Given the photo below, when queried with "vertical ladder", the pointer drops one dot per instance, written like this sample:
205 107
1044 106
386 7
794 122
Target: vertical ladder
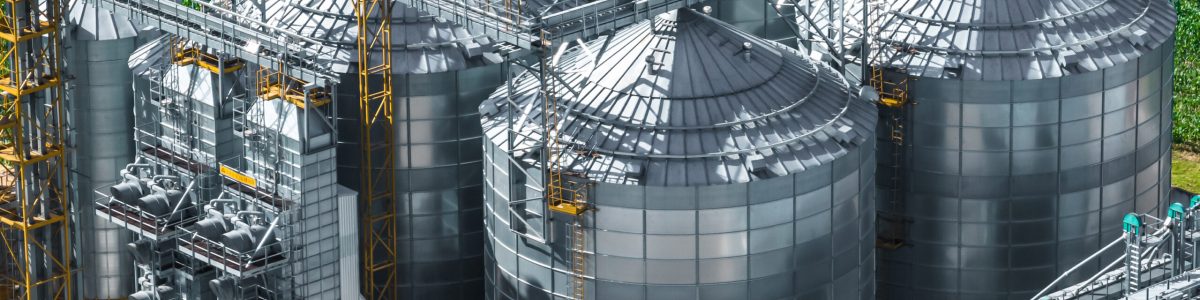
893 99
380 258
1132 225
579 258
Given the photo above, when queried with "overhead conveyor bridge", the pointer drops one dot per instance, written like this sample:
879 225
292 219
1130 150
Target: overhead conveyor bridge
233 34
539 24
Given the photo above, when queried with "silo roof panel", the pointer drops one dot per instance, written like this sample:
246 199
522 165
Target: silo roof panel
420 43
686 100
1000 40
98 24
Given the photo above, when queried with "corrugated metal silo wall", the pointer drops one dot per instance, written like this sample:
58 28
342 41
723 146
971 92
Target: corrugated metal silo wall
1013 182
756 17
803 236
102 108
438 177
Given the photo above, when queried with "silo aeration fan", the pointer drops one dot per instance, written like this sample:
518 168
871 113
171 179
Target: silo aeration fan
155 288
148 253
228 287
155 204
241 244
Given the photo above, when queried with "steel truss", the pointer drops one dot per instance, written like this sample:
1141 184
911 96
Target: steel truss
35 262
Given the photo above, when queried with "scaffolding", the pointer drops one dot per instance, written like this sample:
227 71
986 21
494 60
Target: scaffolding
34 209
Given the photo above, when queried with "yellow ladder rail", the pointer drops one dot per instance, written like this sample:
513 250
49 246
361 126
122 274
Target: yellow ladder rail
579 259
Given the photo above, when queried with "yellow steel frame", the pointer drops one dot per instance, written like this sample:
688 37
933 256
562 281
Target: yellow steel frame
35 260
380 258
891 94
183 55
274 84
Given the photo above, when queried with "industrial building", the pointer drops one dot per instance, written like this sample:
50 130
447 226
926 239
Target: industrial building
607 149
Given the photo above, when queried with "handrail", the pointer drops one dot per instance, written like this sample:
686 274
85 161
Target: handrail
1080 264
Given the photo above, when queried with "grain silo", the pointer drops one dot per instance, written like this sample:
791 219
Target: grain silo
716 164
102 126
765 19
1024 131
441 74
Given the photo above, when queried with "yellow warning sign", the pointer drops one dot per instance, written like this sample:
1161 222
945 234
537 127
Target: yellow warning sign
238 176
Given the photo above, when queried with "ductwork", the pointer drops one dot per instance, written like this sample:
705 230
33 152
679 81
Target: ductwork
213 226
143 251
229 288
130 189
163 201
163 293
245 239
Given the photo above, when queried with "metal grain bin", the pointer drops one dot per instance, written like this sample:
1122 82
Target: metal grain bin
102 137
441 75
1032 128
724 167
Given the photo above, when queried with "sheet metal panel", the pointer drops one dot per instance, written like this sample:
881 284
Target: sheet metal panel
438 174
101 133
799 224
806 245
1013 190
102 126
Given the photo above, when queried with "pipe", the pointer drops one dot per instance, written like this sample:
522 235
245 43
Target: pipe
131 167
248 212
1080 264
1102 271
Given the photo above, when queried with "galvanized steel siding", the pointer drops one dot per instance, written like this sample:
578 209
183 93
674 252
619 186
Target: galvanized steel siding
808 235
1014 182
438 177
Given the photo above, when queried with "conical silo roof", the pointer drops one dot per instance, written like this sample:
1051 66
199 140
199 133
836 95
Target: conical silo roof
685 99
98 24
421 43
1014 40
